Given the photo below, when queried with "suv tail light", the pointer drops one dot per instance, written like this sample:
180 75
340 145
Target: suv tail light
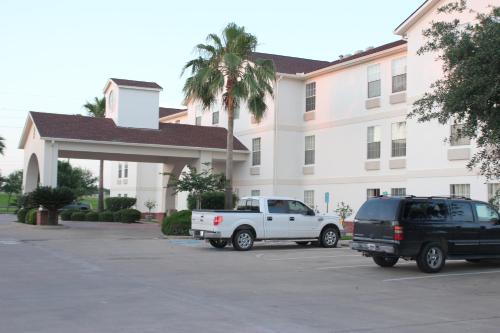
398 233
217 220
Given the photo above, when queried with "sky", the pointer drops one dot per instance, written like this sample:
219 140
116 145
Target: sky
56 55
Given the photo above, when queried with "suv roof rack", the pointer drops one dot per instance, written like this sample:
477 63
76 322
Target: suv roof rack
439 197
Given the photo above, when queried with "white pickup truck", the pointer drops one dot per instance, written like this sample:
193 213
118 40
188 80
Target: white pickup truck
265 218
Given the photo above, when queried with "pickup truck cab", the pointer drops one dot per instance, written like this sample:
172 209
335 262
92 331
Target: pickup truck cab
265 218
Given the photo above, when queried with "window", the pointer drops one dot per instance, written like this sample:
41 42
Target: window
398 75
198 114
236 114
398 139
415 210
198 120
256 151
277 206
255 193
297 207
248 204
119 195
398 192
373 145
493 191
379 210
125 170
372 192
310 96
437 211
125 195
215 117
120 170
373 72
456 136
309 157
309 198
177 121
460 190
461 212
485 213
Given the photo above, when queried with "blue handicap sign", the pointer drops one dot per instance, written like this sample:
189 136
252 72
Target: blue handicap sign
327 197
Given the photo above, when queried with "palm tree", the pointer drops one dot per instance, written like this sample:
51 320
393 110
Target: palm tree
98 109
225 67
2 145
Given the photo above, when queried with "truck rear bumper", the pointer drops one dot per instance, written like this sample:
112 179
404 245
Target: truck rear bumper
204 234
368 247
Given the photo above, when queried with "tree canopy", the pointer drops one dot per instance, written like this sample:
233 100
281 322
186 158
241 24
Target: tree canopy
97 108
81 181
2 145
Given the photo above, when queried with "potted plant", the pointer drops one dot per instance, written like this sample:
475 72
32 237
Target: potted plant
150 204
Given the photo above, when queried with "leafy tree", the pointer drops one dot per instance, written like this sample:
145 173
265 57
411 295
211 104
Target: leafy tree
344 211
13 184
98 109
225 67
80 181
2 145
469 92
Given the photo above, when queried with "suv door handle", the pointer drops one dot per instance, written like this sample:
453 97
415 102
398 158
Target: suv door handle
292 218
269 218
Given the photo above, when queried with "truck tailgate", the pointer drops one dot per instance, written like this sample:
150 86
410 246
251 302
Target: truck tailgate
202 221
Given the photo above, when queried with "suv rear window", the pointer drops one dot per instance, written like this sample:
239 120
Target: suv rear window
379 209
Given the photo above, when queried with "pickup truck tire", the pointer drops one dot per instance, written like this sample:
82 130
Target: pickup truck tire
431 258
243 240
384 261
329 237
217 243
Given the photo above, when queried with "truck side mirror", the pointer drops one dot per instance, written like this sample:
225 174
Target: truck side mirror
310 212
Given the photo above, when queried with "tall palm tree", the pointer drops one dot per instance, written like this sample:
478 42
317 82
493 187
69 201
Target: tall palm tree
2 145
98 109
225 67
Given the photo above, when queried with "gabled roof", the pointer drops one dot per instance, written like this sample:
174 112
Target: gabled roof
82 128
291 65
134 84
415 16
165 112
368 52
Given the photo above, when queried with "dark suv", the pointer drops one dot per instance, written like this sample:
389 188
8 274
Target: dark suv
426 229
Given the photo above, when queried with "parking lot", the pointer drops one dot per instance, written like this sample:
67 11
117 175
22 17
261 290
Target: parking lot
108 277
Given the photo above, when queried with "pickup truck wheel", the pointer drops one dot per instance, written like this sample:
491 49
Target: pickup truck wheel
432 258
302 243
384 261
329 237
243 240
217 243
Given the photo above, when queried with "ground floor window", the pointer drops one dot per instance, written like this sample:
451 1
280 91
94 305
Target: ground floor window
493 190
398 192
255 193
460 190
372 192
309 198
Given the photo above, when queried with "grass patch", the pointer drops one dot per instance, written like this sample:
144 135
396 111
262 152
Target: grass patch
346 237
4 207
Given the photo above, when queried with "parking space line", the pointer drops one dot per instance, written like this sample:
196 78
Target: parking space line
440 276
354 266
313 257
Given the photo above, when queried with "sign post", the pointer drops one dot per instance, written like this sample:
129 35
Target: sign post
327 200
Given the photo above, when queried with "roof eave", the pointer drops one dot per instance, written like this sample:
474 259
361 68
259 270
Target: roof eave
414 17
24 135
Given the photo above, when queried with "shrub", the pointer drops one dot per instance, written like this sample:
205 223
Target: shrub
92 216
31 216
78 216
210 200
106 216
21 215
66 214
130 215
117 216
52 199
178 223
115 204
25 201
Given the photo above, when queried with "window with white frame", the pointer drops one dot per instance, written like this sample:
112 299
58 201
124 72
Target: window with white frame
255 193
125 170
399 75
493 191
398 148
460 190
256 151
119 195
310 96
215 117
236 112
125 195
456 136
398 192
373 142
309 198
310 152
198 114
372 192
120 170
373 72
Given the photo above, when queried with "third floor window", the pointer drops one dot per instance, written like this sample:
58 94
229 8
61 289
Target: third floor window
398 75
373 81
215 117
311 96
256 151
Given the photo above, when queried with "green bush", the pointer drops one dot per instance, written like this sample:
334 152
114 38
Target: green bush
52 199
92 216
31 216
130 215
65 215
21 215
25 201
106 216
210 200
115 204
78 216
117 216
178 223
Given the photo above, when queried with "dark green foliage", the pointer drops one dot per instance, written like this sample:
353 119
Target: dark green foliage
65 215
92 216
21 215
12 184
130 215
117 216
80 181
178 223
106 216
78 216
469 92
115 204
52 198
31 216
25 201
209 200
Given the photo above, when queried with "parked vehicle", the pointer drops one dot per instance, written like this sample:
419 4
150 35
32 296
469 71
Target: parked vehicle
426 229
76 206
265 218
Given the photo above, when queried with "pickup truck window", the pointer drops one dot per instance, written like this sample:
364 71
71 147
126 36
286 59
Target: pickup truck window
461 212
277 206
248 204
296 207
485 213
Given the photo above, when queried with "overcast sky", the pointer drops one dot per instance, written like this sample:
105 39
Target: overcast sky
55 55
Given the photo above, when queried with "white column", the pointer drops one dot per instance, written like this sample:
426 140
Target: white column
48 164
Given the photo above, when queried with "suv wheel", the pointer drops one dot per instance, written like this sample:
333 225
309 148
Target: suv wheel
432 258
329 237
243 240
384 261
218 243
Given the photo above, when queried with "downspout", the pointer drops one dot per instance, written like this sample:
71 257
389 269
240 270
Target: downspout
275 143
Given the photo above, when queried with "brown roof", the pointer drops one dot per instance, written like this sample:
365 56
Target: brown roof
164 112
133 83
291 65
77 127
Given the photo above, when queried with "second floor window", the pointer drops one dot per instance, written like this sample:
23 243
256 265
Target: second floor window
125 170
310 96
373 81
256 151
215 117
309 150
120 170
373 142
457 138
398 148
398 75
